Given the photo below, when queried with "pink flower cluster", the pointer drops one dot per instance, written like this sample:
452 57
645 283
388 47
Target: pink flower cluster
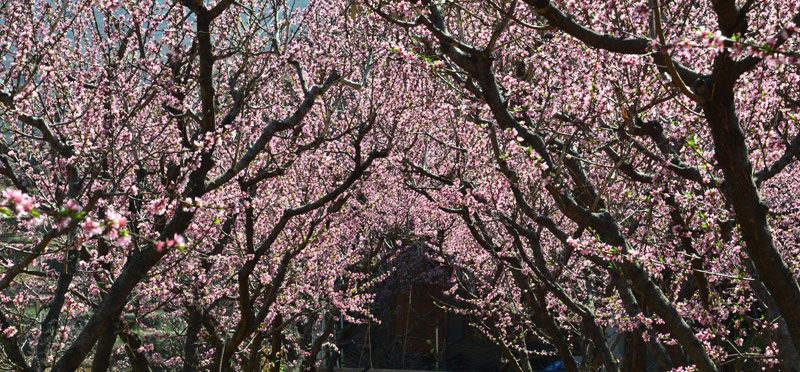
177 242
17 201
10 331
112 228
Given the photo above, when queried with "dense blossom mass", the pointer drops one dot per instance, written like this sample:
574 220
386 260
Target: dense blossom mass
222 185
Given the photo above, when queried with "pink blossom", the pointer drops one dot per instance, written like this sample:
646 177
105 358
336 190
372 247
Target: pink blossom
115 219
10 331
73 206
158 206
91 227
22 203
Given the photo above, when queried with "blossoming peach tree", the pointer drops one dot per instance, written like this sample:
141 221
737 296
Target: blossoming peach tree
619 180
180 181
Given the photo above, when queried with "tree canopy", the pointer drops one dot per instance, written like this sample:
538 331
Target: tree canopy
198 185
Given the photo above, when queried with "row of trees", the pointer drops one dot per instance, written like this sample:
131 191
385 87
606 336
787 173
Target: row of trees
215 186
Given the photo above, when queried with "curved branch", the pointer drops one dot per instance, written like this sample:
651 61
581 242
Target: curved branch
34 121
269 131
791 152
749 63
636 45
